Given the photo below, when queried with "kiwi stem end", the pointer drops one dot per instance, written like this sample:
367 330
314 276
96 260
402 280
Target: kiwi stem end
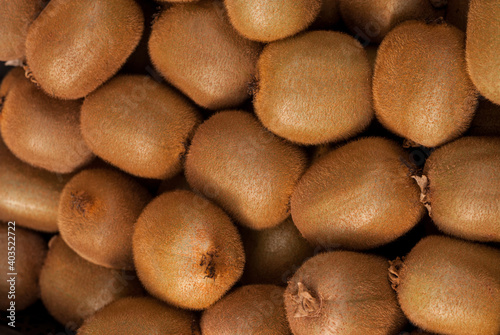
306 304
423 183
395 267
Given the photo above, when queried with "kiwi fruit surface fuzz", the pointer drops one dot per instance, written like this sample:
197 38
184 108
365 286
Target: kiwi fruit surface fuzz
486 120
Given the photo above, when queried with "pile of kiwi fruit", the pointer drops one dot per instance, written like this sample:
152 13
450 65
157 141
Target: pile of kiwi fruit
250 167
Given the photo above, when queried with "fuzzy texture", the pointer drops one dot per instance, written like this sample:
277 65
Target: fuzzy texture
421 89
75 46
457 12
329 15
246 170
248 310
30 251
139 125
486 121
343 293
187 251
197 50
464 188
451 287
267 21
314 88
97 213
483 46
359 196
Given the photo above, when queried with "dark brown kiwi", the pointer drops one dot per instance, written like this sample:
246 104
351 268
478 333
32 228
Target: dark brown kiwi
177 182
13 76
486 121
328 16
456 13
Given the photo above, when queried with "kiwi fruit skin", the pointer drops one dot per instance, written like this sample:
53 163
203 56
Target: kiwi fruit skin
248 310
290 103
483 45
267 21
30 251
75 46
421 89
187 252
486 121
464 188
355 297
137 316
243 168
139 125
457 12
196 49
450 286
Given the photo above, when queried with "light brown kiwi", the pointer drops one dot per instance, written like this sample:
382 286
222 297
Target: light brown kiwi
24 253
343 292
187 252
421 89
195 48
486 121
75 46
248 310
139 125
457 12
449 286
290 102
243 168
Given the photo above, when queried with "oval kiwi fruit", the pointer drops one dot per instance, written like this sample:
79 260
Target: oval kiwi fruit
139 125
486 121
249 310
358 196
450 286
421 89
290 102
187 251
457 12
343 292
75 46
246 170
195 48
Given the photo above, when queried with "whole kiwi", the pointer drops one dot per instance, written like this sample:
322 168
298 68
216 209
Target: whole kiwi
75 46
421 89
248 310
290 102
343 292
187 252
139 125
358 196
73 289
24 253
457 12
97 213
138 316
450 286
486 121
195 48
243 168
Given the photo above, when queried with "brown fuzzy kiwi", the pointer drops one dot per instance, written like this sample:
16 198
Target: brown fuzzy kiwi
486 121
139 316
343 292
290 102
75 46
249 310
24 253
197 50
97 213
139 125
483 46
450 286
187 251
73 289
456 13
421 89
245 169
358 196
329 15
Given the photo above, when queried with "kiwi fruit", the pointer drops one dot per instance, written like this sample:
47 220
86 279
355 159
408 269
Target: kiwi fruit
138 316
187 252
486 121
24 252
248 310
450 286
73 289
329 15
15 75
483 63
75 46
139 125
195 48
243 168
290 102
421 89
343 292
456 13
267 21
